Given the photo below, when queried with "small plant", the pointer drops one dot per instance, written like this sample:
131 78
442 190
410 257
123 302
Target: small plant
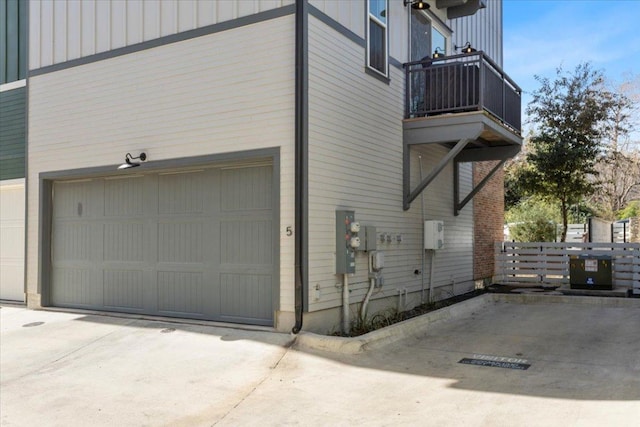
391 316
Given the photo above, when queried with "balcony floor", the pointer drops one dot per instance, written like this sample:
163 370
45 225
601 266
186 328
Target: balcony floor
480 127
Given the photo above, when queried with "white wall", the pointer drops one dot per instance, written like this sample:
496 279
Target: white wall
12 239
225 92
61 30
355 160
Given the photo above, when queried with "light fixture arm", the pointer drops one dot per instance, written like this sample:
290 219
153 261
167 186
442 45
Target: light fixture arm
438 53
129 160
466 48
142 157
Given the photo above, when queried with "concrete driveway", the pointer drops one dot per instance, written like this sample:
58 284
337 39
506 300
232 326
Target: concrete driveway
582 360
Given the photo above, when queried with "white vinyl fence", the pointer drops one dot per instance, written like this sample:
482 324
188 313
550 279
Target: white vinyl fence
548 263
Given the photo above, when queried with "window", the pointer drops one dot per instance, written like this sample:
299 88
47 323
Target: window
377 36
438 41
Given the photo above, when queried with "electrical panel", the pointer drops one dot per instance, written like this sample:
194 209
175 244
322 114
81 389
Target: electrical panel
433 234
347 241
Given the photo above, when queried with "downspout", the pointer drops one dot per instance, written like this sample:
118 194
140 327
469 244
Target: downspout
301 158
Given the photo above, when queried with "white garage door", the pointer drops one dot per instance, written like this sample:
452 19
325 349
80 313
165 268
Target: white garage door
12 240
193 244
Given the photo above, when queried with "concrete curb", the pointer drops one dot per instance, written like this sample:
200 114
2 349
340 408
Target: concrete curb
611 302
390 334
417 325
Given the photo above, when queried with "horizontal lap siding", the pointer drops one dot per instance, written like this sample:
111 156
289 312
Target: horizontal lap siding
355 162
225 92
64 30
12 133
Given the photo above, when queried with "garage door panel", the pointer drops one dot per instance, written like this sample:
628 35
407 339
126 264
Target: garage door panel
12 217
246 242
246 189
75 200
246 296
76 287
73 241
180 242
181 292
124 197
181 193
124 242
124 289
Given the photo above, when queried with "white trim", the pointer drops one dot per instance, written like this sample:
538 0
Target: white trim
13 85
18 182
446 33
385 26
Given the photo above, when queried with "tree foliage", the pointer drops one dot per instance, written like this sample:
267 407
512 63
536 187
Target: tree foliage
619 167
632 210
618 180
533 220
570 116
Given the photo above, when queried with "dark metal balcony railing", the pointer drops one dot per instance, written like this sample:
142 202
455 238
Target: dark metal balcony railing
458 83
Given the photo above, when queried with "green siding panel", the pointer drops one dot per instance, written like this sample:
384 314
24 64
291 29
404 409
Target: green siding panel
13 37
3 41
12 133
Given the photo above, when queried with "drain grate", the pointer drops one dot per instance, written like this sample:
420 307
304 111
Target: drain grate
496 362
167 330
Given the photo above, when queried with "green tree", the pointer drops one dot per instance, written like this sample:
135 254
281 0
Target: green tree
632 210
533 220
619 167
570 116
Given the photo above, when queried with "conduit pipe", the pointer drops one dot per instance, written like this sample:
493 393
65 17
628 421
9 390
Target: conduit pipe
367 297
433 257
345 305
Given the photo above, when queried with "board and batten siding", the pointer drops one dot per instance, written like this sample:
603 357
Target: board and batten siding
355 162
221 93
483 30
60 31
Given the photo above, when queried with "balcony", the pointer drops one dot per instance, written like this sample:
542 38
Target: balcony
460 83
466 103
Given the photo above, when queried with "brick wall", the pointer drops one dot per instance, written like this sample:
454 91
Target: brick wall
488 209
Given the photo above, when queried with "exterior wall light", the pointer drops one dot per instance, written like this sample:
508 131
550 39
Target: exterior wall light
466 48
438 53
129 163
417 4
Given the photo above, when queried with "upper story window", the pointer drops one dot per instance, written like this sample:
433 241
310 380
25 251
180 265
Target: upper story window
377 36
438 41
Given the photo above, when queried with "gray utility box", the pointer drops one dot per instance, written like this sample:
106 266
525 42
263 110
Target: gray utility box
347 241
591 272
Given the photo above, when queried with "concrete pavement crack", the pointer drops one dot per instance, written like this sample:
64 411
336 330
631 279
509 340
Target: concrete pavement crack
64 356
254 388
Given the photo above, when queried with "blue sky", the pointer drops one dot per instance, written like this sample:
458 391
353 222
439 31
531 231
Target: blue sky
540 35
